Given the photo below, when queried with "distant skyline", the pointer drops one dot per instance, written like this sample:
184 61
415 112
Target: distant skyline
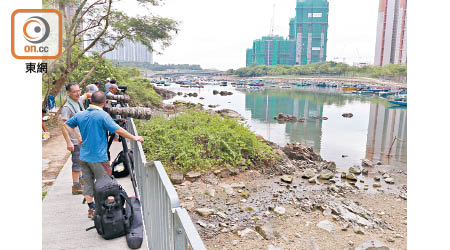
216 34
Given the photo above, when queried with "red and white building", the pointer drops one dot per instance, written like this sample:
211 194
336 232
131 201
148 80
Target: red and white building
391 33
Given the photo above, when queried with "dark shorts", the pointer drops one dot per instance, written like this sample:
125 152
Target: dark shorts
76 159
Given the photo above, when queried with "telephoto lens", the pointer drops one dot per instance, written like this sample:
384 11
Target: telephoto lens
119 98
132 112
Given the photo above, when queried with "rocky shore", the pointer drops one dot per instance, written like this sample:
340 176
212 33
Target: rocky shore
300 202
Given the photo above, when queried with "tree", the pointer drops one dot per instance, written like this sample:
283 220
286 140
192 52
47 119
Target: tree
98 23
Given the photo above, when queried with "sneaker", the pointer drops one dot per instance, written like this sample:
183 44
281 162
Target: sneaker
77 190
91 213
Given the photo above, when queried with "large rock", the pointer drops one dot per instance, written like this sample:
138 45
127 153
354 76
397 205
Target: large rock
164 93
225 93
320 117
367 163
228 113
326 225
353 213
176 177
297 151
376 185
372 244
351 176
287 178
308 174
192 176
250 234
354 170
365 171
223 173
266 231
326 175
330 165
389 180
285 117
205 212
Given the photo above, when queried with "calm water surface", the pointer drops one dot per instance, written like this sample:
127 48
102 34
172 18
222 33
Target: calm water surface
368 134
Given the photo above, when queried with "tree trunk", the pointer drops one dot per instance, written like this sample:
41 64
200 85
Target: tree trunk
55 89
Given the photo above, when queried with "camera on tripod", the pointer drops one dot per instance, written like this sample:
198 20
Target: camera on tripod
117 106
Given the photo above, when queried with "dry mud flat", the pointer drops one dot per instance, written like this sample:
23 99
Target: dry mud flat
255 210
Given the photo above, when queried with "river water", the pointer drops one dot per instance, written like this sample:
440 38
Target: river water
369 134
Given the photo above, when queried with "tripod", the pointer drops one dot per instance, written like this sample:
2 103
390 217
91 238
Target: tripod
128 162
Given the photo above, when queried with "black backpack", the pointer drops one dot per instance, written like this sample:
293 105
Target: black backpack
111 219
118 173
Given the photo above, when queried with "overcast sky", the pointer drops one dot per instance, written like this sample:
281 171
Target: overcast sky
215 34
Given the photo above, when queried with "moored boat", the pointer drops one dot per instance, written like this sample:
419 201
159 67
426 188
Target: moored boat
401 103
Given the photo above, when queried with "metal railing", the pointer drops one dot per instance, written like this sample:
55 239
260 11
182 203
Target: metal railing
167 225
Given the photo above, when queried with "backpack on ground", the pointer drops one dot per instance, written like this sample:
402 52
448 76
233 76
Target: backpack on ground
111 218
119 169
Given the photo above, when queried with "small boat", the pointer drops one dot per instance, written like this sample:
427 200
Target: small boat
256 84
401 103
185 86
349 89
166 84
223 84
397 107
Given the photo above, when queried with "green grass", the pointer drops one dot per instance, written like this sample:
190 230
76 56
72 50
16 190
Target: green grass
43 195
200 141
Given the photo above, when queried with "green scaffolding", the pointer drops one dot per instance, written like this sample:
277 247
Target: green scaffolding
311 22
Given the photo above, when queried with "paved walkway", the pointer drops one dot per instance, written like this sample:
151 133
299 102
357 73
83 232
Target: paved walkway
64 217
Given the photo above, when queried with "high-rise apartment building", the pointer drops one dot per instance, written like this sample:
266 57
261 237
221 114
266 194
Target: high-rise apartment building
391 33
271 50
307 41
129 51
309 30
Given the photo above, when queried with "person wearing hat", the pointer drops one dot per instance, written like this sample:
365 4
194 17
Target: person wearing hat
112 90
108 84
91 88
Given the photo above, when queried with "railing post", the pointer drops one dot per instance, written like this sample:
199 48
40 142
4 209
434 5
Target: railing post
179 234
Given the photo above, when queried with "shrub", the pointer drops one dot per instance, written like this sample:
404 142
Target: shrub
141 92
201 141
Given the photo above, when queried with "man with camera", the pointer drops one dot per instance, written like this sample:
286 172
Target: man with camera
73 105
91 88
94 123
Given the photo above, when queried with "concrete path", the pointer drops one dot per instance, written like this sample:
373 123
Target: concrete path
64 217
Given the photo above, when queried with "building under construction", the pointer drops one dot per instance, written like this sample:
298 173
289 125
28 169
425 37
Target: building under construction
271 50
391 33
307 41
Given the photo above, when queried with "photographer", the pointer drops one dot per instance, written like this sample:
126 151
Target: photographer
93 124
108 85
112 90
73 105
91 88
